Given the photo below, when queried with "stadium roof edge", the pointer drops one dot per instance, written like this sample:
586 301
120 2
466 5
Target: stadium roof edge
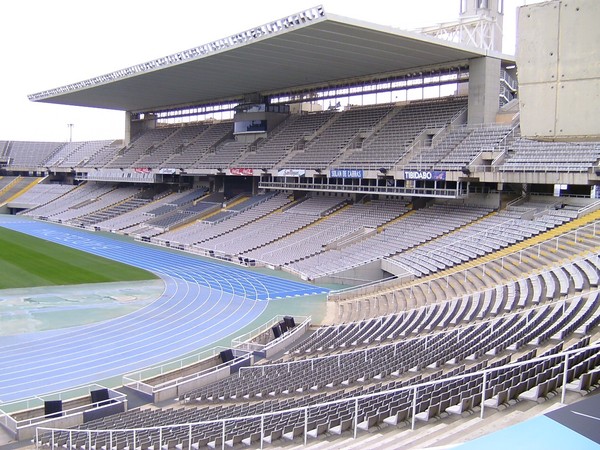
307 48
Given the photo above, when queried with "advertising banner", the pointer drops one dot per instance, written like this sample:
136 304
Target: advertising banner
291 173
241 171
424 175
346 173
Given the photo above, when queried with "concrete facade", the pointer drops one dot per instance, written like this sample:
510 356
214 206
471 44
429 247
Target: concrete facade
559 70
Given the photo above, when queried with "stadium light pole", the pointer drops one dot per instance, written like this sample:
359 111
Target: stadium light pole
70 125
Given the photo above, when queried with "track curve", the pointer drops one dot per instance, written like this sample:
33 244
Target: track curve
203 302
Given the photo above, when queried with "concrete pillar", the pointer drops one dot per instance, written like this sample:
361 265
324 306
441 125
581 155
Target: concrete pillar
127 138
484 89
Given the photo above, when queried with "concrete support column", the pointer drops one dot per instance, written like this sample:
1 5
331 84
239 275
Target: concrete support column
484 89
127 138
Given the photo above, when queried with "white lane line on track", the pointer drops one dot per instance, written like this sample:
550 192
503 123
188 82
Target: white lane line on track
250 283
136 341
219 331
153 350
232 313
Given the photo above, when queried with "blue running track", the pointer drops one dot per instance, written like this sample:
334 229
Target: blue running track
203 302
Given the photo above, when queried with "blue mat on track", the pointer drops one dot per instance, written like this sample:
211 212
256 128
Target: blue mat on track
573 427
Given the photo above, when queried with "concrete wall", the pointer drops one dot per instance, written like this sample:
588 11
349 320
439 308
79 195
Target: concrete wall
183 388
200 366
358 275
76 412
134 126
558 58
289 338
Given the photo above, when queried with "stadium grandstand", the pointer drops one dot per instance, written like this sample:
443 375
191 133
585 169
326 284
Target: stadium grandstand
445 196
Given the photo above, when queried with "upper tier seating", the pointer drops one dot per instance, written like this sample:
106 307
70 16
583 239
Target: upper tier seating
103 155
173 145
340 134
485 138
388 144
76 154
144 144
421 134
458 147
526 155
289 135
31 154
193 150
223 156
4 151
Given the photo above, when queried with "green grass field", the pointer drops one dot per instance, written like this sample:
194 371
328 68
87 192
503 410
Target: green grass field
26 261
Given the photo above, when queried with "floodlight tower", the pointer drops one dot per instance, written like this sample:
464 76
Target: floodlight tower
490 12
479 24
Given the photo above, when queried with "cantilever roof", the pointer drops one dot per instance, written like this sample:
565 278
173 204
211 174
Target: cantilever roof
304 49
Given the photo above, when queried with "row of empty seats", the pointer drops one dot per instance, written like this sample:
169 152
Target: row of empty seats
41 194
487 235
277 387
390 143
272 227
314 239
522 279
533 304
528 155
359 137
418 227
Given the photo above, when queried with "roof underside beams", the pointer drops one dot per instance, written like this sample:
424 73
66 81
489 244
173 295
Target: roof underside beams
322 52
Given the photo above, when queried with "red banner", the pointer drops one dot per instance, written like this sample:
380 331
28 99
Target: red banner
238 171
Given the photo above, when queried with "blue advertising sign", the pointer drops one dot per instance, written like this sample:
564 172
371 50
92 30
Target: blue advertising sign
346 173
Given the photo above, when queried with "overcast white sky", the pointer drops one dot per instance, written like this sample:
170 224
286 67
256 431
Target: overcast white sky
50 43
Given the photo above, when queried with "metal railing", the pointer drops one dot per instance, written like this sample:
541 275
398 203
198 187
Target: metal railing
10 408
365 288
390 190
571 235
244 341
136 380
352 404
421 337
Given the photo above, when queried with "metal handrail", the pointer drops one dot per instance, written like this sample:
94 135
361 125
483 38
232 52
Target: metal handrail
519 253
413 389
